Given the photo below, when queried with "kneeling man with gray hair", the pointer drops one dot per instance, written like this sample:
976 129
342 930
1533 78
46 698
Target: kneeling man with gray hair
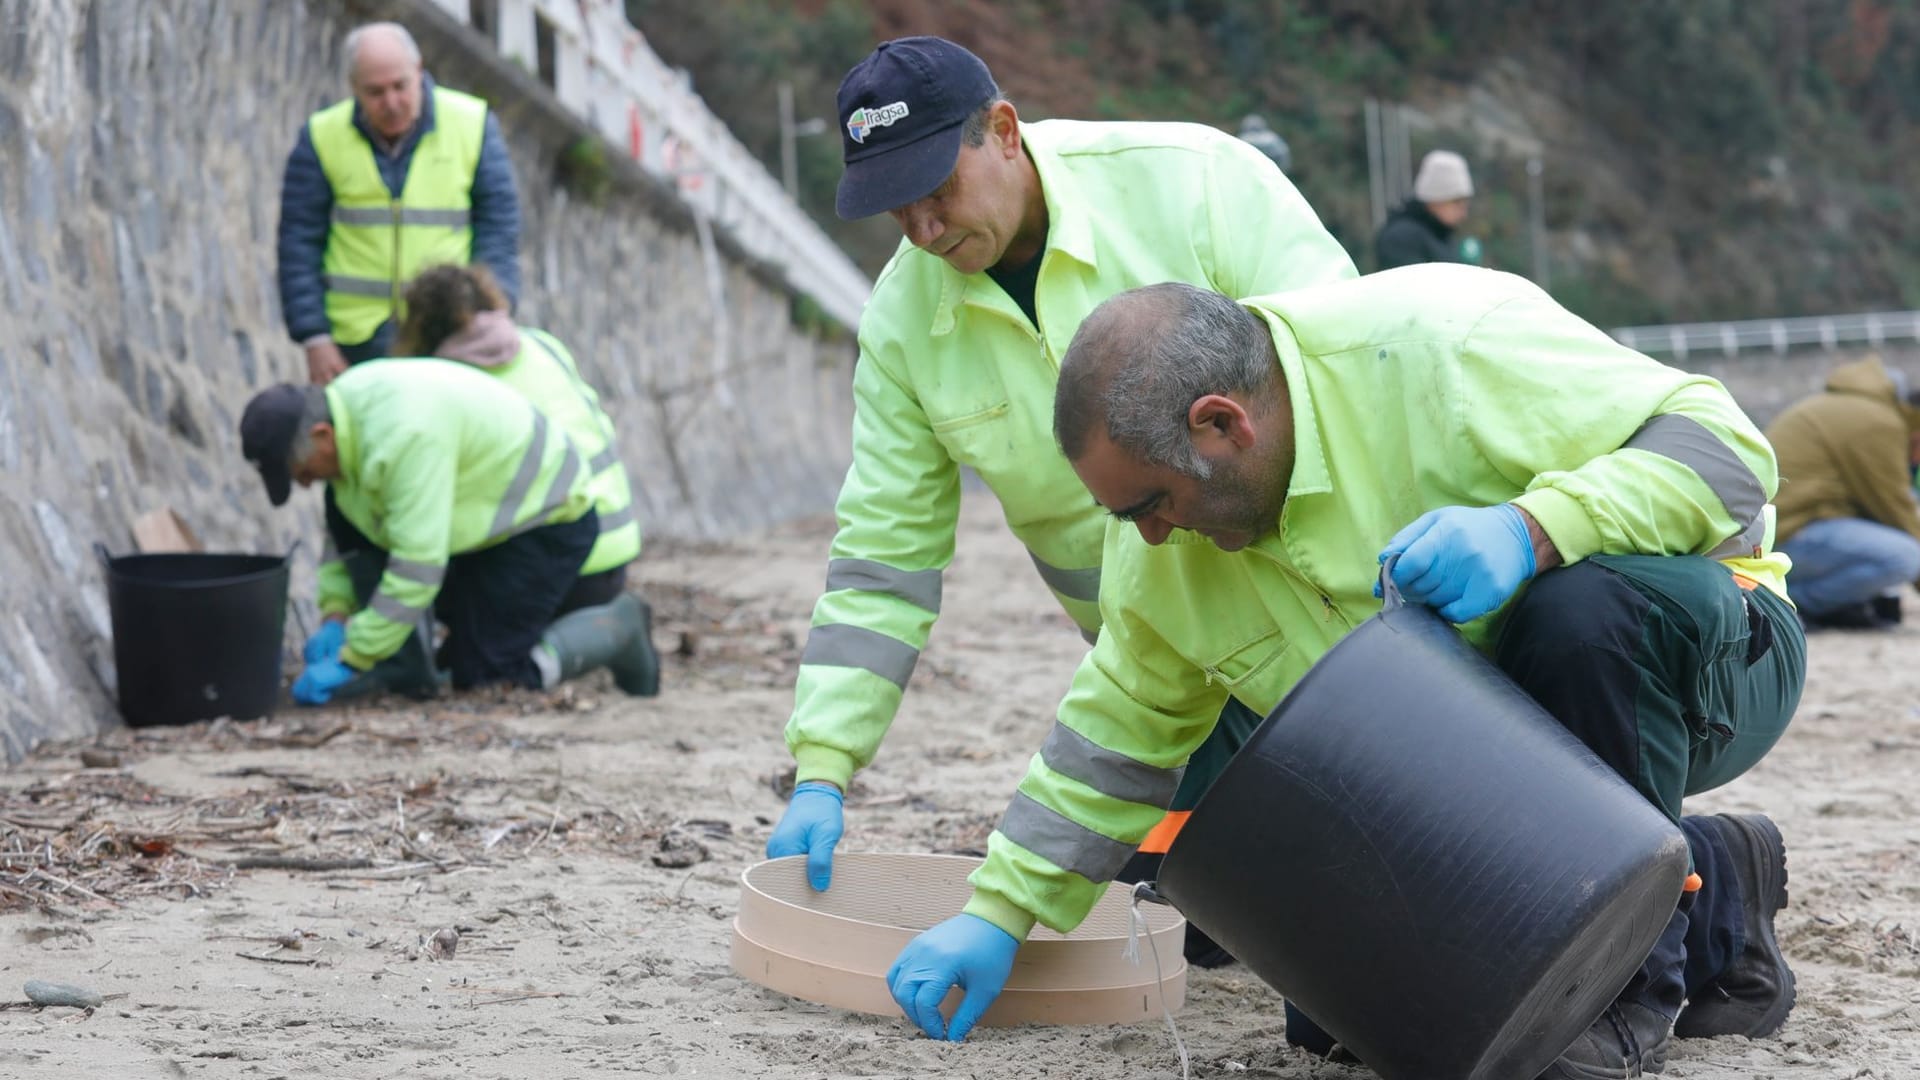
1596 522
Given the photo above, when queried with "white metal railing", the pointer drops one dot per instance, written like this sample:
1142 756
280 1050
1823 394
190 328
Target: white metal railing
602 69
1776 335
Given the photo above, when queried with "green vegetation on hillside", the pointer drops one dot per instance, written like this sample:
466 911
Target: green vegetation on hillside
1704 159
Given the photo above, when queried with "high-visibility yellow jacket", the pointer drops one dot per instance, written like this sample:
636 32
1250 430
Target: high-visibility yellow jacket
1415 389
546 373
953 373
436 460
377 243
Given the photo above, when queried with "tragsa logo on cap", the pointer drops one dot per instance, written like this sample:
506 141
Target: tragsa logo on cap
861 120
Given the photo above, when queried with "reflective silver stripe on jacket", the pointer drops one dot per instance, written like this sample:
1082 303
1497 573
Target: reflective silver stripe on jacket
420 573
1745 544
1073 584
384 604
921 588
523 478
562 480
359 286
383 215
1063 842
604 460
842 645
1073 755
617 520
1685 440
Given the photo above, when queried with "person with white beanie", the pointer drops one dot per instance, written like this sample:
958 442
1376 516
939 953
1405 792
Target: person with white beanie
1422 230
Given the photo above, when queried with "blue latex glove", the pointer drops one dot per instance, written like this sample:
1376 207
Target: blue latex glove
316 685
811 826
1462 561
326 642
965 951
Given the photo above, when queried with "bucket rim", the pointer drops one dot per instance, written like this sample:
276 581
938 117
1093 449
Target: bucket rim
117 568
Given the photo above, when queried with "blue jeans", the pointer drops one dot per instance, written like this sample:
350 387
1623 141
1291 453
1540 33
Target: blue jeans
1845 562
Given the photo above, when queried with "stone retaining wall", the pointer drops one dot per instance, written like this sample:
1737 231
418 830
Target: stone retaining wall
141 150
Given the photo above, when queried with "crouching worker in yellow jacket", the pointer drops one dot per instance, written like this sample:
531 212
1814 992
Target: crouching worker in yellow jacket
460 313
1596 522
448 493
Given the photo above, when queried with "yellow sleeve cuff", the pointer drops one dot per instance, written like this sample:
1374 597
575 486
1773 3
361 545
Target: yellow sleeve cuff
1001 912
815 762
1565 522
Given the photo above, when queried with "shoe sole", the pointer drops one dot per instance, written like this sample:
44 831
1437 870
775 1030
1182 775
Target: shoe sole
1767 850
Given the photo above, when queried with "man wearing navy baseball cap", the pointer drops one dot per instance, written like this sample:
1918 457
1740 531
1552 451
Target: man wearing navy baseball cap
1014 231
904 113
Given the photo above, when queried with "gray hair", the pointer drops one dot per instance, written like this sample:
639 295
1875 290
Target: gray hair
315 411
350 50
980 120
1141 359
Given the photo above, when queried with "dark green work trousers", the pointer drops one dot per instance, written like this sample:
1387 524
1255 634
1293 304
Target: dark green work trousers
1679 679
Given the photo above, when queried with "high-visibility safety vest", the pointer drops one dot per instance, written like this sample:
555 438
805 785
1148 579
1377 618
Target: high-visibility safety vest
1410 390
436 460
377 243
545 372
952 373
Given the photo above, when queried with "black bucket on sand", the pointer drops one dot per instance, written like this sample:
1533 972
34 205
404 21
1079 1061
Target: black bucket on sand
1416 854
196 635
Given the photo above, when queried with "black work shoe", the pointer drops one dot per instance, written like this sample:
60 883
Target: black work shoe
1755 994
1861 616
410 672
1628 1040
1203 951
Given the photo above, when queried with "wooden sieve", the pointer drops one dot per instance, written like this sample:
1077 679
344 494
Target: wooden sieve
834 948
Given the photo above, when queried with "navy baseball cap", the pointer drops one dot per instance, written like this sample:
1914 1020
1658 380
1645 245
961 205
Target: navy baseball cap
902 111
267 430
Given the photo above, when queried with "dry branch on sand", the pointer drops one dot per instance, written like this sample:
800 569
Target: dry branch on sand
91 837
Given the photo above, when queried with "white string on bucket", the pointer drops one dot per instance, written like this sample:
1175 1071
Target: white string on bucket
1138 928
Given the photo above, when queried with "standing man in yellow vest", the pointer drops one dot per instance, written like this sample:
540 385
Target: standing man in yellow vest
398 177
1014 231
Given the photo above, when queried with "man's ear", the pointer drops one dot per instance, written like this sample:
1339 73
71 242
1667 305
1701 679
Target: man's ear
1003 122
321 434
1220 420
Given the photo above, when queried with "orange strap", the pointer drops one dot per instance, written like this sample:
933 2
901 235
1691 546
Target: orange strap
1161 838
1745 582
1693 883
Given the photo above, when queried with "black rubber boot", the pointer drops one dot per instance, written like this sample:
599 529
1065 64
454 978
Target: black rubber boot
617 636
409 672
1628 1040
1753 996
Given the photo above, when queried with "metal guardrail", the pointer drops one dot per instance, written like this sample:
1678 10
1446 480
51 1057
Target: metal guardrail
1775 335
600 66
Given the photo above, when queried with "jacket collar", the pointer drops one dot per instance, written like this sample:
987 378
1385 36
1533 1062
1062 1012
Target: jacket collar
1069 232
1418 212
1310 473
346 440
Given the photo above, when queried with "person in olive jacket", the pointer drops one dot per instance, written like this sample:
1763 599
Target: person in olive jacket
1848 518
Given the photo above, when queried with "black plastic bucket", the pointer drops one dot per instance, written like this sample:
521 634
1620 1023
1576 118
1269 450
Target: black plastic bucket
1416 854
196 635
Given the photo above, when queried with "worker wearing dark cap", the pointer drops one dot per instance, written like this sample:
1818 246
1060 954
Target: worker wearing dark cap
447 493
1014 231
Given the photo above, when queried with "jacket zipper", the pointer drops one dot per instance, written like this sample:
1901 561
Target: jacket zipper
393 277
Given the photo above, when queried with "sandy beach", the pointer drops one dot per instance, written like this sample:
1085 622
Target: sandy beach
520 885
